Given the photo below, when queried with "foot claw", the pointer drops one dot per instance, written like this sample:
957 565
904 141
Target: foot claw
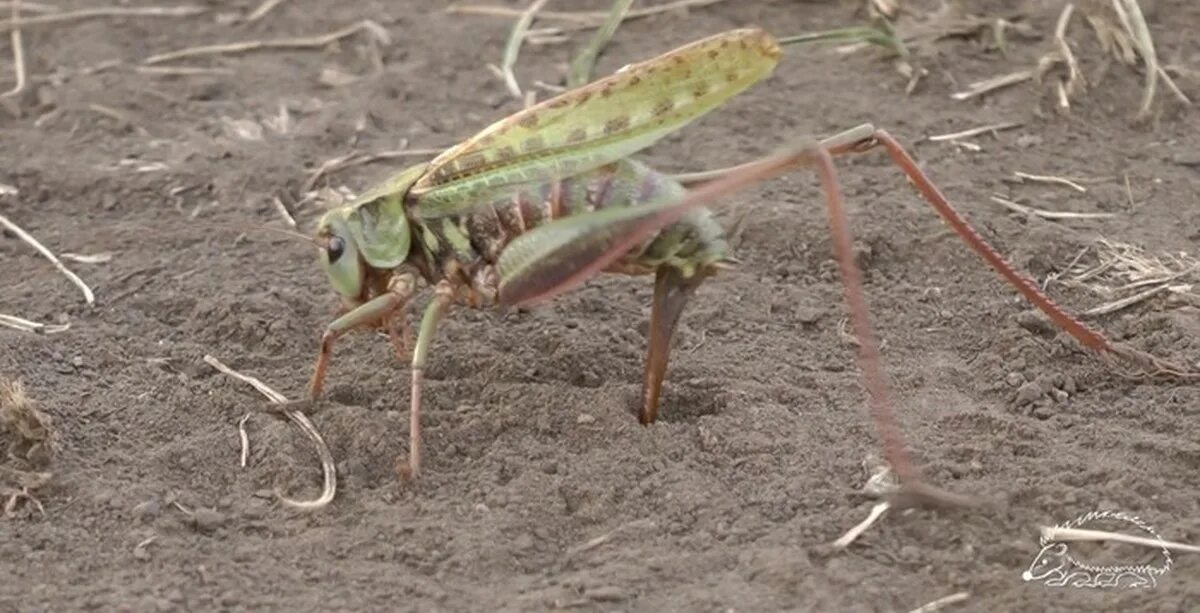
406 471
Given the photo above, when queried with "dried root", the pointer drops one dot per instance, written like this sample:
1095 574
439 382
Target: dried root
33 444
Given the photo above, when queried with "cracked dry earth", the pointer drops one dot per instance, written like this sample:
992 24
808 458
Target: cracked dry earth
532 449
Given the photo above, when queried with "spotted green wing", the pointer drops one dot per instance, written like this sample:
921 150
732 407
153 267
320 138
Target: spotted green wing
597 124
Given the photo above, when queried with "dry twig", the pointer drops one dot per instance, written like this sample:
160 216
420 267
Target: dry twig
1077 534
266 7
942 602
581 19
513 47
989 129
26 325
1121 268
18 50
852 534
356 158
1051 179
980 88
110 11
245 439
1044 214
327 465
297 42
23 235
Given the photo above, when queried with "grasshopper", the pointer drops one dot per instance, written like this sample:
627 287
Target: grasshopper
550 197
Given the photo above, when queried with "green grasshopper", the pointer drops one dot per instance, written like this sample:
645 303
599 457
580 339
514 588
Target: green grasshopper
549 197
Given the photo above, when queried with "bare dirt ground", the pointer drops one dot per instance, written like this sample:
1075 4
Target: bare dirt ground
732 499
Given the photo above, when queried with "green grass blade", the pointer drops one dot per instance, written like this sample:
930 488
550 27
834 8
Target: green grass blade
581 68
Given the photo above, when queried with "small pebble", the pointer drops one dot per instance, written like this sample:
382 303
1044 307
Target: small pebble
207 519
1014 379
146 511
585 419
606 593
1028 393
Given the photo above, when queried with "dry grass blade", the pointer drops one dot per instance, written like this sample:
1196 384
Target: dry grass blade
585 62
586 19
1075 80
327 465
183 71
1077 534
18 49
1120 268
1044 214
26 325
980 88
297 42
111 11
989 129
266 7
245 438
356 158
942 602
1050 179
513 47
852 534
882 36
31 7
1130 14
23 235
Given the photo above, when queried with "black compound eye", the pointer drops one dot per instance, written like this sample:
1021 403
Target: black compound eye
334 248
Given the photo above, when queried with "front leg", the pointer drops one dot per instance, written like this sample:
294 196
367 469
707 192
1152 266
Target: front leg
380 308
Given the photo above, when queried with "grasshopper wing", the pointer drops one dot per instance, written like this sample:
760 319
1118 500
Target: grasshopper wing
597 124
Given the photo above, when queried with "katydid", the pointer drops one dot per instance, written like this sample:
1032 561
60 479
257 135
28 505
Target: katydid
549 197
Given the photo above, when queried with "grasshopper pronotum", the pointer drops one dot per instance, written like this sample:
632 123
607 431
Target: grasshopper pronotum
545 199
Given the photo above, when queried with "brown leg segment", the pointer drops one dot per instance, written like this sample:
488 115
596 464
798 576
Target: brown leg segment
671 293
378 309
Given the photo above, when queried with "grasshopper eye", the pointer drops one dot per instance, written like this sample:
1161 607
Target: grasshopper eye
343 266
335 248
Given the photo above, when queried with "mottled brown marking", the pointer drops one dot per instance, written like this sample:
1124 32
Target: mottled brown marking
714 54
725 43
616 124
558 103
663 107
607 91
732 76
554 200
598 189
531 214
506 153
634 80
679 59
577 135
701 90
533 143
487 141
485 233
742 43
530 120
510 217
583 96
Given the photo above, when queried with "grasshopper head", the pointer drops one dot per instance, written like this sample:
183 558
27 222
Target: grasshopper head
340 257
